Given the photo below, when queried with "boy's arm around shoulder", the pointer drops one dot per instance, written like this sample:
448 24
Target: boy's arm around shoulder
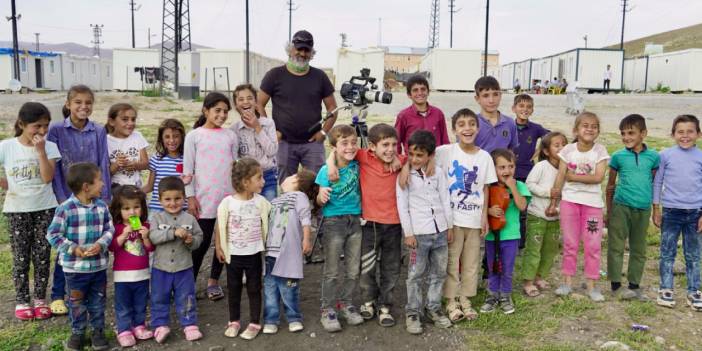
161 232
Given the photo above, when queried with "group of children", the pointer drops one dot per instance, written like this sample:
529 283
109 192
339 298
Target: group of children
77 186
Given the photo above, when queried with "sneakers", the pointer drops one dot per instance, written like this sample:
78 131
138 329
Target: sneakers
98 341
74 343
563 290
24 312
232 330
413 325
694 300
295 327
467 308
367 311
595 295
385 319
329 321
491 303
438 318
270 329
251 331
666 298
351 315
506 303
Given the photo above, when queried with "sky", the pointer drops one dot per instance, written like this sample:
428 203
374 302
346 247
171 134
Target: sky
518 29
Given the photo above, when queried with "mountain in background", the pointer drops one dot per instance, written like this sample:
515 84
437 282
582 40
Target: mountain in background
78 49
674 40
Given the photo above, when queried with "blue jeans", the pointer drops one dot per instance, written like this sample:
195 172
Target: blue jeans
427 261
276 289
674 222
270 187
131 299
342 236
180 285
86 300
58 287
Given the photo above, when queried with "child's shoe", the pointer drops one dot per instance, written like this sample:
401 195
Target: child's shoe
251 331
454 311
694 300
98 341
270 329
24 312
350 314
141 333
232 330
385 319
295 327
467 308
439 318
41 310
161 333
58 307
192 333
491 303
413 325
563 290
506 303
74 343
329 321
666 298
126 339
367 310
595 295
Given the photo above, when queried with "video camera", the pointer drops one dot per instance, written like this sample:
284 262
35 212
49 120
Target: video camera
362 90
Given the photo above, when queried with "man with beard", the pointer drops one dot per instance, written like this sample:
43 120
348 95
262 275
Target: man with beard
297 91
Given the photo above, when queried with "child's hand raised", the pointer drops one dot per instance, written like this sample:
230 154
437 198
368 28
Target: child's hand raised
144 232
39 142
509 181
324 195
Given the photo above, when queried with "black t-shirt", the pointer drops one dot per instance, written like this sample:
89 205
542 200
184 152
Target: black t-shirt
297 100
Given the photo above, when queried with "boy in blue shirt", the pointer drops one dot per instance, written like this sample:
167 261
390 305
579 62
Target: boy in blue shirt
341 226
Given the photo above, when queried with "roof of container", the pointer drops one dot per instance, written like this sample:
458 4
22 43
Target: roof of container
404 50
9 51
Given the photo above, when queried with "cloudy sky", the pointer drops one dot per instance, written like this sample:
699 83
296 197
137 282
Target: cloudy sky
519 29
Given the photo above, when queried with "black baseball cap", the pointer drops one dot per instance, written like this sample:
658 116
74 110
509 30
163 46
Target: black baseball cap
303 40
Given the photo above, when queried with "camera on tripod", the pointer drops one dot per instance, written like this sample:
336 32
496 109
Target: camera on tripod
362 90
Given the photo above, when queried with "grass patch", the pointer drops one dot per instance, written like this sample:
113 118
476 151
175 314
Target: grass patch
570 307
637 340
638 310
6 283
150 93
30 335
172 109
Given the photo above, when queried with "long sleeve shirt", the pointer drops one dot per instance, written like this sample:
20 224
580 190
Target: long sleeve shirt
261 146
172 254
540 181
131 263
425 204
678 182
409 120
79 145
76 224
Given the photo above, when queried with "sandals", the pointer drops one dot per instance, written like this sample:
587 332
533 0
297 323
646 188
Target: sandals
161 333
454 311
467 308
126 339
214 292
24 313
232 329
542 284
251 331
141 333
192 333
58 307
531 291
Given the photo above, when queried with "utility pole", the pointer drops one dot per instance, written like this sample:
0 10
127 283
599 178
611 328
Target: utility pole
625 9
247 43
434 25
37 41
487 26
290 11
380 31
97 33
585 38
149 36
133 8
452 10
343 40
15 44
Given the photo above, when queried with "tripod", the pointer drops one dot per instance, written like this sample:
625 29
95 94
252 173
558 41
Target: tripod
358 120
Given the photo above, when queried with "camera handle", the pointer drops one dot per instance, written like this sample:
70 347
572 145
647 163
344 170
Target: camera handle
358 121
318 126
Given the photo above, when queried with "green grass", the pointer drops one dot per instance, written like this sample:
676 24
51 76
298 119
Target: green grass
22 336
637 340
639 310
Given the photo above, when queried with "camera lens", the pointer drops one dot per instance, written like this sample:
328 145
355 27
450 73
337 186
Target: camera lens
383 97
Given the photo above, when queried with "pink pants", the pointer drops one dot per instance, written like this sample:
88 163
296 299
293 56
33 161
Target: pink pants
581 223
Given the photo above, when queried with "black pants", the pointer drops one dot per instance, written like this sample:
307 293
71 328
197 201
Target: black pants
606 86
252 265
207 225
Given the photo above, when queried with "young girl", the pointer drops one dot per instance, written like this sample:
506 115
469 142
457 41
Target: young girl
288 226
543 228
126 146
78 140
168 160
581 169
241 233
131 246
257 138
500 280
29 162
209 152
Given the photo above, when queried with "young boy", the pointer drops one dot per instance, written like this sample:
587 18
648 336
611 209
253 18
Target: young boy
677 186
426 216
495 130
500 279
81 232
341 226
175 233
419 115
528 133
629 213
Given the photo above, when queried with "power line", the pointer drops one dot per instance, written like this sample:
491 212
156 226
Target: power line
452 10
434 24
625 9
97 33
133 7
15 44
37 41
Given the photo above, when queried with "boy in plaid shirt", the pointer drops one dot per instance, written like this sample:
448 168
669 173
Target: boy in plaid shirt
81 231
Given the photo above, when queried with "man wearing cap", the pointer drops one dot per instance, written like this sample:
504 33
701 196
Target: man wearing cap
298 91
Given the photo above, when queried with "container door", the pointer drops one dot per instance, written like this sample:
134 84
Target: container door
40 74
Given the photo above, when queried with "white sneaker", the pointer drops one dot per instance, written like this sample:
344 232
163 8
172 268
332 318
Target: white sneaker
270 329
295 327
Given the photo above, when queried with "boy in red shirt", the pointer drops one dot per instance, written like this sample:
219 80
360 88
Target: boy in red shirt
419 115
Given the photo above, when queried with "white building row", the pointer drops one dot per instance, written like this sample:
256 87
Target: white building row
678 70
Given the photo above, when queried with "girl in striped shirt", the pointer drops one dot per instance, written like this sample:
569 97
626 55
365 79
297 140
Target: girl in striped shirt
168 160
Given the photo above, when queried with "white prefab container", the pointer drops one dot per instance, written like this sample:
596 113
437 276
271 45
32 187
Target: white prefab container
522 71
542 70
94 72
38 69
452 69
507 76
124 76
635 73
349 63
679 70
223 70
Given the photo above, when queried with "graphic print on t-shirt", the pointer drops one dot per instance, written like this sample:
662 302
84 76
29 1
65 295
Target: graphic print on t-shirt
245 225
132 155
134 245
25 171
464 180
